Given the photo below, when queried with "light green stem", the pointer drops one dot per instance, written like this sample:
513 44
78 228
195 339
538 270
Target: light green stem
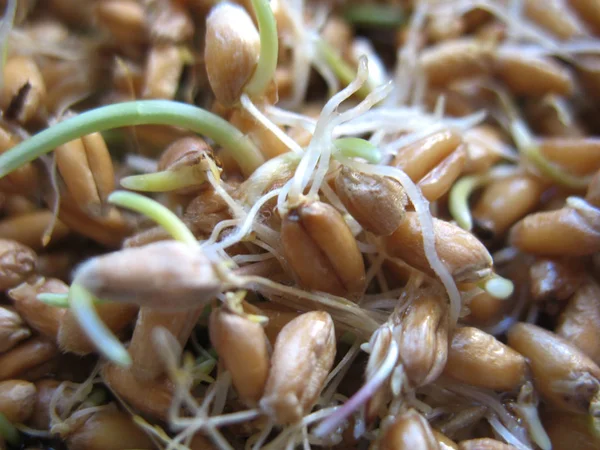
166 180
82 305
552 171
8 431
57 300
528 147
269 49
341 69
140 112
375 15
458 200
352 147
155 211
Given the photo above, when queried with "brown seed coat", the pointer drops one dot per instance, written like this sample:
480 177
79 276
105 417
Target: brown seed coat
302 358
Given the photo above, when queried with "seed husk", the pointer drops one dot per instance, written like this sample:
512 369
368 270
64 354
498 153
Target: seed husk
17 399
109 430
17 262
456 59
567 430
532 76
45 390
421 157
72 338
441 178
507 200
322 251
23 93
146 366
12 329
124 20
34 352
29 228
579 323
377 203
87 170
555 279
464 255
164 66
423 342
302 358
43 318
168 275
242 345
153 398
409 431
479 359
562 232
231 51
563 375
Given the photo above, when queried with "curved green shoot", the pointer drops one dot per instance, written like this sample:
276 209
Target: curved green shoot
57 300
9 432
166 180
82 305
529 148
533 154
498 287
140 112
155 211
358 148
341 69
269 49
458 200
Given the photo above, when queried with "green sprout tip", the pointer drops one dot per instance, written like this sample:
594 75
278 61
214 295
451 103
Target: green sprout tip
352 147
166 180
155 211
57 300
82 305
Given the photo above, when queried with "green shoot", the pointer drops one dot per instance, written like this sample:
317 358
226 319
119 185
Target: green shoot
166 180
57 300
459 200
375 15
342 70
269 49
155 211
140 112
358 148
82 305
9 432
529 148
